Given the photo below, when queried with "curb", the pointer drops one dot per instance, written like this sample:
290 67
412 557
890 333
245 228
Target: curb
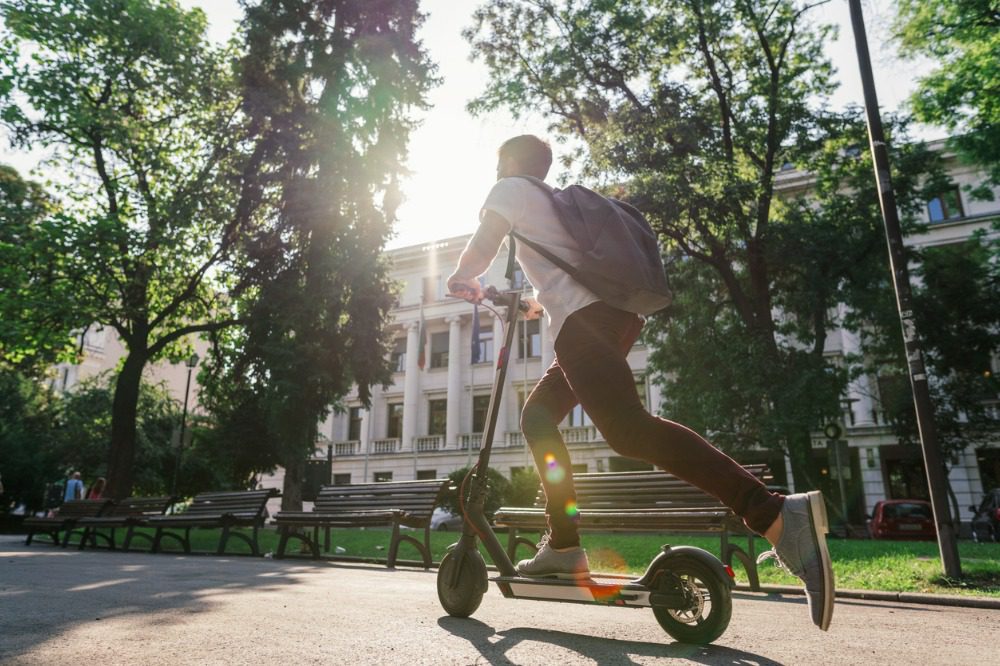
895 597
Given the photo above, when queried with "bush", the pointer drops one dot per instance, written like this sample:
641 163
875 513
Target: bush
499 491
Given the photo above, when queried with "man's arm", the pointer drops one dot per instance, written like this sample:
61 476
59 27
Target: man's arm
477 256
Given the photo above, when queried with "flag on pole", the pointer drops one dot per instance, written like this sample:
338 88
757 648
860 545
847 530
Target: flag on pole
476 351
422 340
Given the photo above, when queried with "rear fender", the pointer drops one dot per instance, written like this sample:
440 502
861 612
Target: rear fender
669 553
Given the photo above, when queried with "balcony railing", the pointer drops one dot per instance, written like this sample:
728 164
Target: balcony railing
429 443
579 434
349 448
389 445
472 440
570 435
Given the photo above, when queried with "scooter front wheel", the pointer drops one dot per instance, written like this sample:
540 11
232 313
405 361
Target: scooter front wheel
461 581
709 604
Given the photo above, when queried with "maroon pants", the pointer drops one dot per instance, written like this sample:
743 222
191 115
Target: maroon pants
591 369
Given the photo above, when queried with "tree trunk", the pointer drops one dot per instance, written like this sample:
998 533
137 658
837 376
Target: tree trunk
121 458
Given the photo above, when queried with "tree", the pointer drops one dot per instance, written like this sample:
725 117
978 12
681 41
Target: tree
692 110
689 109
24 283
962 37
25 432
326 88
81 433
143 114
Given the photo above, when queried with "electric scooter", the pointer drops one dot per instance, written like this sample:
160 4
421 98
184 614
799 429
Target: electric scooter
689 589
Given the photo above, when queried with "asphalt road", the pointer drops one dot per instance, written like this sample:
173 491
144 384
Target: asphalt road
65 606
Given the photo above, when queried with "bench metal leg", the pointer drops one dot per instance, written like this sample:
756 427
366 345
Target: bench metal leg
290 532
398 538
729 551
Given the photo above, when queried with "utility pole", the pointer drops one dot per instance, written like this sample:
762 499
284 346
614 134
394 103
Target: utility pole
927 431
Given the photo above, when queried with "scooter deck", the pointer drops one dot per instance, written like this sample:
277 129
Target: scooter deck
607 591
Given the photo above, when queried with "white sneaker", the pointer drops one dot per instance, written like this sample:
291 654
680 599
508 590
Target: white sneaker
565 564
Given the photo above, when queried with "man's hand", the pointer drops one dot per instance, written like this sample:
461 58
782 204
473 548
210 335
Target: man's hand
535 309
468 289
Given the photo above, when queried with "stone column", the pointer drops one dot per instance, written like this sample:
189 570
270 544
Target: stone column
454 381
411 386
859 391
548 348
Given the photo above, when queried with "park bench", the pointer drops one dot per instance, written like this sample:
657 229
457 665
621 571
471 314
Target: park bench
399 504
652 501
65 520
129 514
225 510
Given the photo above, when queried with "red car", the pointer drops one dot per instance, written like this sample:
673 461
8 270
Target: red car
902 519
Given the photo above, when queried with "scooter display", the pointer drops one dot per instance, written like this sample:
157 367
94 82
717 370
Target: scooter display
688 589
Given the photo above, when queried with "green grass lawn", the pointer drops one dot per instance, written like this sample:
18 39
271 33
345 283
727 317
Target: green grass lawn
893 566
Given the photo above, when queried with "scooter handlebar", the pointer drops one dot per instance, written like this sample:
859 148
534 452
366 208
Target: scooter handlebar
496 297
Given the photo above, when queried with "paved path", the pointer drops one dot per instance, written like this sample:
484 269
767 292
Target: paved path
64 606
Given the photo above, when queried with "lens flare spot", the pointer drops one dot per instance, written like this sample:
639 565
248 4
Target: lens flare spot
571 509
550 461
555 474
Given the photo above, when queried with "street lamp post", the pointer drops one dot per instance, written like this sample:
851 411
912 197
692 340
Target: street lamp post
933 462
191 364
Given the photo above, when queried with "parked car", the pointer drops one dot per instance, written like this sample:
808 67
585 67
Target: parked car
444 520
986 521
902 519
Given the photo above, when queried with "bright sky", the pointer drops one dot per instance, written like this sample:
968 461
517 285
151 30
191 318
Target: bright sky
453 155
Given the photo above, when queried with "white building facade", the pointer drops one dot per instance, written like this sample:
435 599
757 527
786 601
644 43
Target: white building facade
428 423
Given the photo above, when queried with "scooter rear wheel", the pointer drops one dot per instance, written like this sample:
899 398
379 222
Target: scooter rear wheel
461 582
710 602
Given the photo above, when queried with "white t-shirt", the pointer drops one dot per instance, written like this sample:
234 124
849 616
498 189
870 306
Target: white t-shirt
530 212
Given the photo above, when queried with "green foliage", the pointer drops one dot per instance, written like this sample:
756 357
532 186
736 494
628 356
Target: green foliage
44 436
962 38
497 496
688 109
142 112
524 484
27 462
326 90
25 287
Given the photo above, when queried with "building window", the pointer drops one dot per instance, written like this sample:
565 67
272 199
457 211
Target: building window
394 427
946 206
438 419
480 410
342 479
439 350
640 388
426 474
397 359
578 417
382 477
354 424
485 345
432 289
529 339
518 279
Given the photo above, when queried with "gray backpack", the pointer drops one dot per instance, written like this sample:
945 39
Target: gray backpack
621 259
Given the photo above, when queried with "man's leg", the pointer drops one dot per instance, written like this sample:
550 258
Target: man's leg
599 375
547 405
591 349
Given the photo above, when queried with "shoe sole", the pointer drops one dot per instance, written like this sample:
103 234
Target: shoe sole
821 527
583 575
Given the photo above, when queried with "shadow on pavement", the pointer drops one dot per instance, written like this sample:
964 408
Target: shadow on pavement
600 650
46 591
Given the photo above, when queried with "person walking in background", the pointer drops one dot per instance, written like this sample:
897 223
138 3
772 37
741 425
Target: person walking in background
97 490
74 488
